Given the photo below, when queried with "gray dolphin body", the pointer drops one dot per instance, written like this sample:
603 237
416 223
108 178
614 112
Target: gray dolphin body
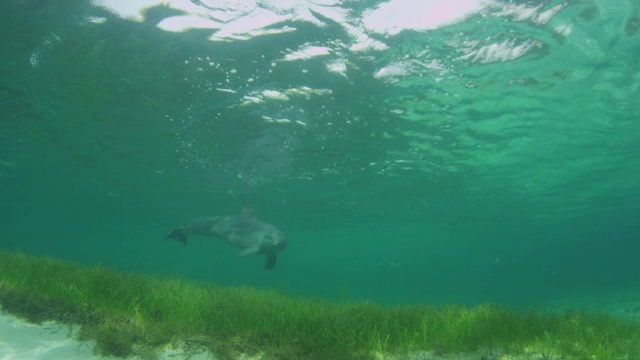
244 231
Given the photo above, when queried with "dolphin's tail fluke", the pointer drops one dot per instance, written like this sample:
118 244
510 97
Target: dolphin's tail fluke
271 262
179 234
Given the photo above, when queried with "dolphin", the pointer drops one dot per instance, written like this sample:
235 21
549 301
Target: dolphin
244 231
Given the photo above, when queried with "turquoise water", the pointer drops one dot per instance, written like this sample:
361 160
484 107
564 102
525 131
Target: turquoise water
411 157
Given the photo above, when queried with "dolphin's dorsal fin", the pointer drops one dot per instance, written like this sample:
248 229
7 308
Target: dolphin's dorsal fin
249 251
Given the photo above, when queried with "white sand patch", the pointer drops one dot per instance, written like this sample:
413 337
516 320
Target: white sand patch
20 340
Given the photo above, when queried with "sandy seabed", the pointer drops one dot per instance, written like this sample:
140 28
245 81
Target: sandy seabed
21 340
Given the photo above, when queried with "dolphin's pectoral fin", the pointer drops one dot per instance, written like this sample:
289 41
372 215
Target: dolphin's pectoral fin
271 262
249 251
179 234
